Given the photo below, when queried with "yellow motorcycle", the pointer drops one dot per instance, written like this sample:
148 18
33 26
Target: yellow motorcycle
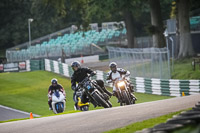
81 106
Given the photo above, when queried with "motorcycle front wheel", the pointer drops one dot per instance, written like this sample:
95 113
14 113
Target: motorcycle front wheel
84 108
126 98
100 100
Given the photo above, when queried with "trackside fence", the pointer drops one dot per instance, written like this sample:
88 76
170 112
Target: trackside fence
146 62
167 87
66 70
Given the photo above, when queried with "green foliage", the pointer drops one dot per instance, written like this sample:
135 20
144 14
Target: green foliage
50 16
166 6
183 69
14 25
151 29
13 22
2 53
173 10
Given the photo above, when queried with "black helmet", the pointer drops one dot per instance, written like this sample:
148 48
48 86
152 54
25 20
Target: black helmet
54 81
75 64
113 66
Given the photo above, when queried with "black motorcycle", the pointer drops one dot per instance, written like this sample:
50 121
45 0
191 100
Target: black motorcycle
124 92
94 93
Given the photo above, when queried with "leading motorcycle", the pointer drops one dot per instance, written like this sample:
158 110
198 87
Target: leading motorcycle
94 94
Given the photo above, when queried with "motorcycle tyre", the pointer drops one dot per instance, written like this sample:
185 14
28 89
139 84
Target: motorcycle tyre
126 98
60 109
109 103
84 108
100 100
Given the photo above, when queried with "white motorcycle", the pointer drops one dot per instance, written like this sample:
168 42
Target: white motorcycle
58 102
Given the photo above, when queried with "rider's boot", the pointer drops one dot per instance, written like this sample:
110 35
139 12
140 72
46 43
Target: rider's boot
76 106
50 106
131 88
134 97
115 94
106 91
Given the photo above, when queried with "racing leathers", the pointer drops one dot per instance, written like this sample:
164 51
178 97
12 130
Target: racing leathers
112 76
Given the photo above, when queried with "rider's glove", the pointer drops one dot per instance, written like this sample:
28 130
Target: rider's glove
109 81
113 80
92 74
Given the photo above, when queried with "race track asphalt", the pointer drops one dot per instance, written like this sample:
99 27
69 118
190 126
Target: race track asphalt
98 121
7 113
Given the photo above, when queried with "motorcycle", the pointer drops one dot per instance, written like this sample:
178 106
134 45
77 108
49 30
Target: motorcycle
58 102
95 96
80 105
124 92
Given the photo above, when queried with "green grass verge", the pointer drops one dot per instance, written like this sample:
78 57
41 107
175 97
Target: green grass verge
144 124
183 70
27 91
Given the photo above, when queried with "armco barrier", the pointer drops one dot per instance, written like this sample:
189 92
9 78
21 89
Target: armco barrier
66 70
143 85
170 87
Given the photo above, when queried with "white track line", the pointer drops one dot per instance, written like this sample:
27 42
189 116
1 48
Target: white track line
18 111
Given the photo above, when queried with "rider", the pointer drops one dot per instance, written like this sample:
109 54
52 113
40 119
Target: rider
52 88
116 73
78 76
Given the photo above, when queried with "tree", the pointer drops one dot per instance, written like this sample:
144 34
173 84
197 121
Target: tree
14 16
14 22
186 48
129 21
157 24
129 11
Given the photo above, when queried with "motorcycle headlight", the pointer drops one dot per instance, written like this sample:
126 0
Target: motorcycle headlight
121 84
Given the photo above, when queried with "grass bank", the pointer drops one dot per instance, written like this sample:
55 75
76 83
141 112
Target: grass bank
144 124
183 70
27 91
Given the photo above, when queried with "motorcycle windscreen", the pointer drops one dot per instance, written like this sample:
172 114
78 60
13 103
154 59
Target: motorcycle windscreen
58 99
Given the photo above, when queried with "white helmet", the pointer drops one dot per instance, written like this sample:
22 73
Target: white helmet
113 66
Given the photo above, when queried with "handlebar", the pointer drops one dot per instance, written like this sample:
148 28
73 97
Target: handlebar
85 79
